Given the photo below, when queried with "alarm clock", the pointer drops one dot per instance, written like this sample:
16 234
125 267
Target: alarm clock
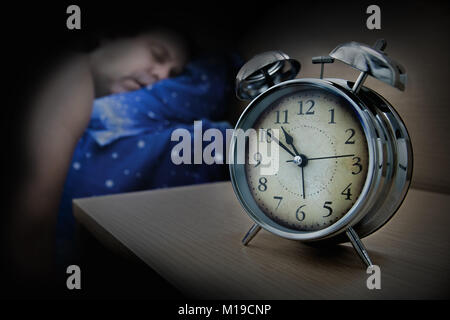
344 154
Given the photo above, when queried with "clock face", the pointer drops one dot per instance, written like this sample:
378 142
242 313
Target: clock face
323 160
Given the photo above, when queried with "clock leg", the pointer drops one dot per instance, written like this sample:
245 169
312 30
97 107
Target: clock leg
251 233
358 245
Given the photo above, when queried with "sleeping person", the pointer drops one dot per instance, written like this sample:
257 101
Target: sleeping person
151 90
101 124
127 145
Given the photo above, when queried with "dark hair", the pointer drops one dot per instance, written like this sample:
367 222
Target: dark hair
181 36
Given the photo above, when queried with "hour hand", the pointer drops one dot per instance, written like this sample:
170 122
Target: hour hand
290 141
281 144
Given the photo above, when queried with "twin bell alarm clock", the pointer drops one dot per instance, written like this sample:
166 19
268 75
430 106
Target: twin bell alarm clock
344 154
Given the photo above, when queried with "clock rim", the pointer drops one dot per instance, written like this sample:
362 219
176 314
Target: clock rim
397 184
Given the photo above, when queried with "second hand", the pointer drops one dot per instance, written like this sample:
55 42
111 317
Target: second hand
303 182
291 153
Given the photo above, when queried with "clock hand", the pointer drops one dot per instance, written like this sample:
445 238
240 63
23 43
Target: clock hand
303 183
281 144
290 141
331 157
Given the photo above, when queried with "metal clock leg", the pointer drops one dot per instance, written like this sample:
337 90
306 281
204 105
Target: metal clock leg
358 245
251 233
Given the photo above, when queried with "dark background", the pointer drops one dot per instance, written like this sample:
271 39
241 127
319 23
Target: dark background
35 38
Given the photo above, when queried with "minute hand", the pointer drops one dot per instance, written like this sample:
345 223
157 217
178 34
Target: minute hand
331 157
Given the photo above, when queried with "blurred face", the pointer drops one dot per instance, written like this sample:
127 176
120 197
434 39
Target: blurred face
132 63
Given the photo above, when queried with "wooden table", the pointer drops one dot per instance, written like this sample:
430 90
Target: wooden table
192 236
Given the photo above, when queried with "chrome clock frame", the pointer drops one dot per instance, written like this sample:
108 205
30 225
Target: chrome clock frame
389 172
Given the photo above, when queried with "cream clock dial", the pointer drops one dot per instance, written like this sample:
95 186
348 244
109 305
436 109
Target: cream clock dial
321 179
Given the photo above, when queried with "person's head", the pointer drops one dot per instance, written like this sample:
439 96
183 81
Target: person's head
131 63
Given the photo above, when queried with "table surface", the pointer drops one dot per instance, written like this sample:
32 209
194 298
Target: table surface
192 237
